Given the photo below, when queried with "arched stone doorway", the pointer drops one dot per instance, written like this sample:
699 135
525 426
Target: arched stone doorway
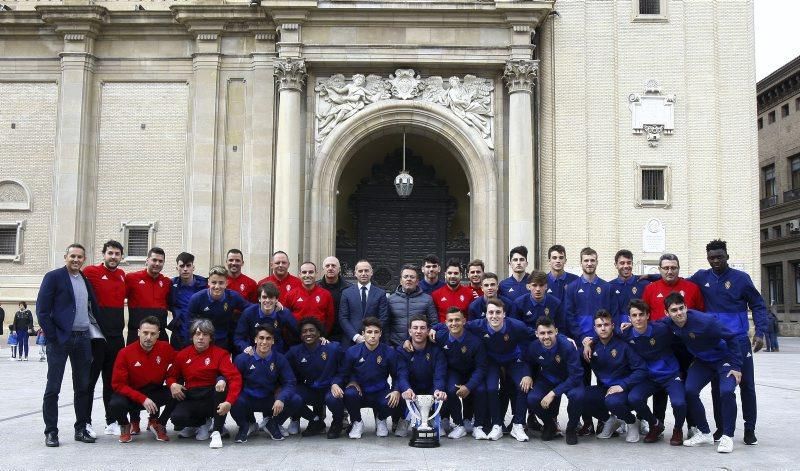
390 117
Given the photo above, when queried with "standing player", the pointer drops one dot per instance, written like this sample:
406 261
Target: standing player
490 286
514 286
475 271
238 281
265 312
558 278
430 281
184 286
671 282
311 299
148 294
280 277
539 303
217 303
452 294
626 286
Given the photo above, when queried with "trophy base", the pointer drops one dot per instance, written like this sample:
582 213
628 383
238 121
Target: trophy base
423 439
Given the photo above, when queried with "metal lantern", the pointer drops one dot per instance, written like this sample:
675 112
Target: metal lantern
404 182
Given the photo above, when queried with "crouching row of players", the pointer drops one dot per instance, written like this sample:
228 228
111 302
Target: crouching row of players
465 364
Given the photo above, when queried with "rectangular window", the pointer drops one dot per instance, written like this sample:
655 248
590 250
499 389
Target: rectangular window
768 174
138 238
771 117
649 7
785 110
649 11
11 241
777 232
794 169
796 282
775 283
760 123
764 234
652 184
797 104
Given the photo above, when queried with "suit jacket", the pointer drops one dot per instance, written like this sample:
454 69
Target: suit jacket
55 305
351 315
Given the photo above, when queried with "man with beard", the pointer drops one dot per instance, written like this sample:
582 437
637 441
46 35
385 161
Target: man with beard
475 271
311 299
238 281
452 294
430 281
148 294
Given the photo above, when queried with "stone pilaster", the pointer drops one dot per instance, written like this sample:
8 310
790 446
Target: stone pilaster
520 76
75 159
291 75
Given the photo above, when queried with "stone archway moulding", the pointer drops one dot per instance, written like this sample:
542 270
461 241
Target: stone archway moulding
387 117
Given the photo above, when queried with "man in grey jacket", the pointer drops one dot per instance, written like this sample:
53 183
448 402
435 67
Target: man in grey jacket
406 302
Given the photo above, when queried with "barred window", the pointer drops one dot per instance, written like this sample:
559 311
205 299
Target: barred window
8 240
138 238
652 184
649 7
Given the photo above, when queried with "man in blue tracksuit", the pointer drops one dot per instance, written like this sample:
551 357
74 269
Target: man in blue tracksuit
265 312
218 303
423 370
184 286
314 365
728 293
504 340
619 369
514 286
557 277
264 372
560 372
626 286
361 379
717 356
653 342
489 285
538 303
466 371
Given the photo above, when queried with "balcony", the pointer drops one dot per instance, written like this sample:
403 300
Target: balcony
788 196
769 202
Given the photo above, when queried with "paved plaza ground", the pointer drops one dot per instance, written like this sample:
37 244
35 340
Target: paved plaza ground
22 438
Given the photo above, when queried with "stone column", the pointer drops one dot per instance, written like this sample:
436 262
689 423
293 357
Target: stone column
75 164
291 74
519 75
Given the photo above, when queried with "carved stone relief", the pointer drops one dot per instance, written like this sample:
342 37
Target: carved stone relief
470 99
652 113
14 196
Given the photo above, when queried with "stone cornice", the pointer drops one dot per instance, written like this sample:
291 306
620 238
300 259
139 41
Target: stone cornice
206 20
74 21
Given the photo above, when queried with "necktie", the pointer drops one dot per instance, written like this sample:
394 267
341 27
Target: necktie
364 300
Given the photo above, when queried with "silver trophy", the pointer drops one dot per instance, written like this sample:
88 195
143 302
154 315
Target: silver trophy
423 435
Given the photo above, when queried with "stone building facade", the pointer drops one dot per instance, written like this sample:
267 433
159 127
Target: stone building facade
779 160
203 125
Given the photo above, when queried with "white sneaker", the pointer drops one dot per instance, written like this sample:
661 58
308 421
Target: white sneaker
518 432
458 432
445 427
381 429
496 433
632 436
611 426
469 426
725 444
692 432
644 427
112 429
188 432
402 428
216 440
252 430
294 427
479 434
284 430
700 438
263 424
90 431
357 430
203 432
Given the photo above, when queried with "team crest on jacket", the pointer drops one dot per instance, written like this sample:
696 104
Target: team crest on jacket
598 289
225 307
272 366
464 349
275 324
160 283
728 284
208 361
506 337
241 287
634 290
558 358
158 360
379 359
324 356
461 298
691 335
547 311
653 341
317 298
614 353
428 356
288 287
683 293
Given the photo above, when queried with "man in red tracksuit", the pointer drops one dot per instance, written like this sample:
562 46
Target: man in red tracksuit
655 293
452 294
139 373
311 299
281 277
148 294
108 282
238 281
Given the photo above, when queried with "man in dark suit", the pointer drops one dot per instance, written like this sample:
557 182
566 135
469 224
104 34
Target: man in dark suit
360 301
65 307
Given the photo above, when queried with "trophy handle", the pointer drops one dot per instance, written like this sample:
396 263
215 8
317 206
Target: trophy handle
412 409
438 409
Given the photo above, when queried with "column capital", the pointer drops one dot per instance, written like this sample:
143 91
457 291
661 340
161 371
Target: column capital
520 75
291 73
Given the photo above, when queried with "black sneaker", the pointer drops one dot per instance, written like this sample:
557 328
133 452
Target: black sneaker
241 435
750 437
314 428
335 430
572 437
717 435
273 429
549 431
533 424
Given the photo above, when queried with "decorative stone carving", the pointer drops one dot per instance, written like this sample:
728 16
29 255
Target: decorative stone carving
520 75
290 73
652 113
14 196
338 101
470 99
654 236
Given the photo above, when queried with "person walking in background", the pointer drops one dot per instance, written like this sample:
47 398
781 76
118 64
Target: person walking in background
23 326
772 331
41 341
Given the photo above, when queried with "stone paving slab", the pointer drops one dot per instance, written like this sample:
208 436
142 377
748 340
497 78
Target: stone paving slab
22 439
